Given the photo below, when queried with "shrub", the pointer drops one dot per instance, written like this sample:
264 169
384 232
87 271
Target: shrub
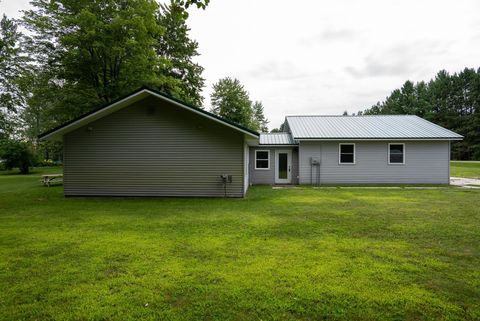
16 154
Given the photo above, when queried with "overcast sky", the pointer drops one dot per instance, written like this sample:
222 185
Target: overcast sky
324 57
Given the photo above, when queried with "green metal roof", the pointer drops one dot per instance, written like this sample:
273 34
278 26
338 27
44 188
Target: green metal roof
276 139
367 127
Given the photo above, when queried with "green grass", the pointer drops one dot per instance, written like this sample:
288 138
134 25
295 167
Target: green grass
291 254
470 169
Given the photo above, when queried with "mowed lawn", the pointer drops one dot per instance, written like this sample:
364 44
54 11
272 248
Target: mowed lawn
465 169
291 254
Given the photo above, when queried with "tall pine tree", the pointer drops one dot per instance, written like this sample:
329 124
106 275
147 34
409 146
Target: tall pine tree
452 101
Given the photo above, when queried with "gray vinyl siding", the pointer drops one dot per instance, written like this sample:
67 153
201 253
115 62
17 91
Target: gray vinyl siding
426 162
153 148
295 166
262 176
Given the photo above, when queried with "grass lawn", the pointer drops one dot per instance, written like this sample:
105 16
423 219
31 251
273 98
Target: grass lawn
291 254
470 169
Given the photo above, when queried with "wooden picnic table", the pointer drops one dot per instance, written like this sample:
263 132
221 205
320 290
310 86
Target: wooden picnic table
51 178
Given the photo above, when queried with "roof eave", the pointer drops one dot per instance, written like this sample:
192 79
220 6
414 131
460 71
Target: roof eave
277 145
376 139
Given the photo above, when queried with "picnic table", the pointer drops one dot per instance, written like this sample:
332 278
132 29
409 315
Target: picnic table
51 179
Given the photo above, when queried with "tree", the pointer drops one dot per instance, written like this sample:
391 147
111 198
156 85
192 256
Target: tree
281 129
88 53
16 154
452 101
44 105
259 119
5 129
99 50
176 51
201 4
230 100
12 65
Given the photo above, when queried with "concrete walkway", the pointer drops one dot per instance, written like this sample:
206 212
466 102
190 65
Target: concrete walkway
465 182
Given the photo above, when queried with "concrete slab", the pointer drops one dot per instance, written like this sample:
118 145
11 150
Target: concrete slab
465 182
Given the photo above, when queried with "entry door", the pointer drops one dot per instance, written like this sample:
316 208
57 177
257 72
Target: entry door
283 168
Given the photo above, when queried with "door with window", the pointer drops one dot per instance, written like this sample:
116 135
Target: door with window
283 168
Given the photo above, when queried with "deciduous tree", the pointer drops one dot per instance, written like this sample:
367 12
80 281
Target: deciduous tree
88 53
259 119
231 101
12 65
16 153
176 51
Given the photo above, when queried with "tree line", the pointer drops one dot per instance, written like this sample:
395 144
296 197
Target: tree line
449 100
76 55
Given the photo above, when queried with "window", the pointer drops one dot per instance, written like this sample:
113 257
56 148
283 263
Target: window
262 159
396 153
346 153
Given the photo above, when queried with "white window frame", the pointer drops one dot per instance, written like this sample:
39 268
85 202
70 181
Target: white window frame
268 159
340 154
388 154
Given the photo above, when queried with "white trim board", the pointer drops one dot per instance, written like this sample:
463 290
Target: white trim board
404 154
340 154
287 180
372 139
268 159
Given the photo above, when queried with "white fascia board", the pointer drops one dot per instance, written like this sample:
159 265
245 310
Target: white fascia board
374 139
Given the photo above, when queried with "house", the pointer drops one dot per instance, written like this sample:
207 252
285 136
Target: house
149 144
353 150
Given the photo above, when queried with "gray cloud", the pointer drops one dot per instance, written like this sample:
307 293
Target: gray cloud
376 67
400 60
279 71
329 34
337 34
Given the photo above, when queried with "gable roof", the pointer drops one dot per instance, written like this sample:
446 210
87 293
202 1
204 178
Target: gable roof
367 127
276 139
129 99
